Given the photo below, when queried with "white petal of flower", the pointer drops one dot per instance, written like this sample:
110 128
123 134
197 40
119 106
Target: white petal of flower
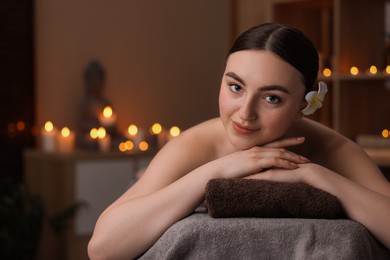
322 90
315 98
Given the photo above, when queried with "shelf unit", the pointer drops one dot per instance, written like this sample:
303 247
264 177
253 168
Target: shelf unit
347 33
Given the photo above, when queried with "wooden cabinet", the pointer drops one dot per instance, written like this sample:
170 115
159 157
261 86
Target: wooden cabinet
347 33
63 180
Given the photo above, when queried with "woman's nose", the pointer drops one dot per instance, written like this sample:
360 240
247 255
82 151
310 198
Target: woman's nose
247 110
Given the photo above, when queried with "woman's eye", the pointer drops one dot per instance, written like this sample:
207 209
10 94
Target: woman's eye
234 87
273 99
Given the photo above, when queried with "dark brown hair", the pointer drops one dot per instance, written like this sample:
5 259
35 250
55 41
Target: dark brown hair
287 42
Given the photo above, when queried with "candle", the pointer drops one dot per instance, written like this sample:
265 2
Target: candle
126 146
327 72
143 146
135 134
107 118
387 69
174 131
93 133
354 70
160 134
156 129
132 131
385 133
49 137
373 70
104 140
65 140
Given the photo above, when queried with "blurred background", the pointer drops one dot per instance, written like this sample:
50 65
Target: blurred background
162 62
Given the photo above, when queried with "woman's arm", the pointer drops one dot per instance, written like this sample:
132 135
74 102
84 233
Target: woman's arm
139 217
354 179
367 206
171 188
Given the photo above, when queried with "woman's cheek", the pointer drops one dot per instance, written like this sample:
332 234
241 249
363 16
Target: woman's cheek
278 124
223 103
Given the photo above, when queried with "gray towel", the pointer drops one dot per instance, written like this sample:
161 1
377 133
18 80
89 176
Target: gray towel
201 237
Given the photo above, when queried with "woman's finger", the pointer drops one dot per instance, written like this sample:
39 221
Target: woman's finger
260 153
285 142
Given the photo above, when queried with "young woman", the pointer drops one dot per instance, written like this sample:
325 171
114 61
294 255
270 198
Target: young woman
260 134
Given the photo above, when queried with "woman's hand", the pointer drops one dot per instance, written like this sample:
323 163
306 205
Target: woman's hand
260 158
303 173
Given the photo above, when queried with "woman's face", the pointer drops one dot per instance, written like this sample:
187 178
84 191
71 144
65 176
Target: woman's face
260 96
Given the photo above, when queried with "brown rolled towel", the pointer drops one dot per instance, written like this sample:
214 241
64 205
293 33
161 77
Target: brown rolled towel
258 198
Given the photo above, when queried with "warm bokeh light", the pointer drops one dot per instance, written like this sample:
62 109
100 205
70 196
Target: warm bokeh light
327 72
49 126
156 129
132 130
174 131
143 146
93 133
122 147
65 132
107 112
20 126
126 146
129 145
373 69
354 70
385 133
101 133
388 69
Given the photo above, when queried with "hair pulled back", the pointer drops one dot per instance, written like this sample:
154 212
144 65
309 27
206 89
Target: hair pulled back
285 41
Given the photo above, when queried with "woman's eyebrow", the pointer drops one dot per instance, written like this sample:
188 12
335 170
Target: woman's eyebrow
264 88
275 87
236 77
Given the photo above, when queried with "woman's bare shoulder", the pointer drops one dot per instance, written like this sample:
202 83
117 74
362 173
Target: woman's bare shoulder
330 148
319 135
207 134
322 143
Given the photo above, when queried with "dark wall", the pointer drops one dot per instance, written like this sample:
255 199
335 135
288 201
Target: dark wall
16 85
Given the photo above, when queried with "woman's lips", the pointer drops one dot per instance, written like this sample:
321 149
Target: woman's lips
243 129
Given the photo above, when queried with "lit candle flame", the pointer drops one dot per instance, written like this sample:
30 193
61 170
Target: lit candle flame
373 69
174 131
65 132
388 69
385 133
49 126
107 112
143 146
156 129
20 126
129 145
327 72
93 133
132 130
354 70
101 133
122 147
126 146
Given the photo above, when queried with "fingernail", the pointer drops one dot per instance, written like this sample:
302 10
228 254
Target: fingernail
293 164
301 138
305 159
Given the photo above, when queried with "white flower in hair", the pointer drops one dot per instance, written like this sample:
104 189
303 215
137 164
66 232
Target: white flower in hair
315 98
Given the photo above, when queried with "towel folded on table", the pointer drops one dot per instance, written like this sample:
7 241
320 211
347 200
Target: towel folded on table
258 198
